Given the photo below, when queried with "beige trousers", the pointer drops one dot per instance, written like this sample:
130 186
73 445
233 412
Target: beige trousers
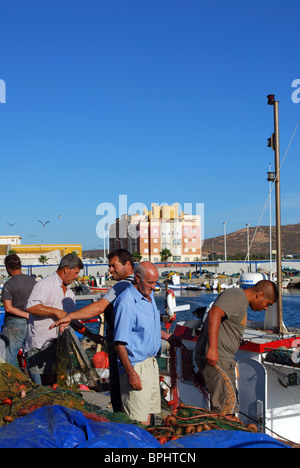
138 404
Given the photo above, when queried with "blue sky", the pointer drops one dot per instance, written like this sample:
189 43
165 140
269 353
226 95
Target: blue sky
161 100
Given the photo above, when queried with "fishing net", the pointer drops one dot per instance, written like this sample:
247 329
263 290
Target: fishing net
284 356
74 365
20 396
75 370
190 419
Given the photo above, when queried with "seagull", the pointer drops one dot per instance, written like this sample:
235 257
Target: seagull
43 224
11 224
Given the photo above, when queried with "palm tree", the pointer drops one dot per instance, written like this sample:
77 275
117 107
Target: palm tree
136 256
43 259
165 254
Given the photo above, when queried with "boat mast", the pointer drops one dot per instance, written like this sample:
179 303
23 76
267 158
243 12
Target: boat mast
274 144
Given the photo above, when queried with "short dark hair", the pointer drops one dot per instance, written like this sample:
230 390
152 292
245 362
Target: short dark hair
269 288
12 262
123 255
72 261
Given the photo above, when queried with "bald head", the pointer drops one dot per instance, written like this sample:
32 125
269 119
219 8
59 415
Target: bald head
145 278
144 268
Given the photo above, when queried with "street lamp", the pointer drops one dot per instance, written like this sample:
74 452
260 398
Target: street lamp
247 225
225 254
104 237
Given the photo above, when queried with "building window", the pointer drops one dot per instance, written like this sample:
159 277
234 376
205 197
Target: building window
145 250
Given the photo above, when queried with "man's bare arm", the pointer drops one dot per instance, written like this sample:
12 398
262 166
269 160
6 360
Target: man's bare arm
215 316
88 312
44 311
7 303
133 377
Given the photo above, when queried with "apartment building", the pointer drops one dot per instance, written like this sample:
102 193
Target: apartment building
161 228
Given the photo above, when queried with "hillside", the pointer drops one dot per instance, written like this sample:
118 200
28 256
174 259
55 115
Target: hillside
236 242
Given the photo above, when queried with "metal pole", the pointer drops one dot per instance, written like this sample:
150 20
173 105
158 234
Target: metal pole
248 254
225 250
278 216
270 195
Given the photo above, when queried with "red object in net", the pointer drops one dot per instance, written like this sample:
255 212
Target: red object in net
100 360
95 417
174 379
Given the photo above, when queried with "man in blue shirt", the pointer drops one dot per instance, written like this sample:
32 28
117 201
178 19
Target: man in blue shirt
137 339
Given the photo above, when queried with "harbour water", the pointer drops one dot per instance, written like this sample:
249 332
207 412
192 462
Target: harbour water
290 305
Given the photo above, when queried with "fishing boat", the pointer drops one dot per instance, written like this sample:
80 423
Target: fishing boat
247 280
175 283
268 379
89 285
268 360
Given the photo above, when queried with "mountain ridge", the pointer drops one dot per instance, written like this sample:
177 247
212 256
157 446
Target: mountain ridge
236 242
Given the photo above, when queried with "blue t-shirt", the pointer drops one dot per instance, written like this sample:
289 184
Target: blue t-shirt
137 325
111 296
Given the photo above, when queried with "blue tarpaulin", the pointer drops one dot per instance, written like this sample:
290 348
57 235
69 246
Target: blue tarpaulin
225 439
59 427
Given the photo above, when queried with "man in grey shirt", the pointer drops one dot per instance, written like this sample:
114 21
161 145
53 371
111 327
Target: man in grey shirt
121 267
15 294
221 336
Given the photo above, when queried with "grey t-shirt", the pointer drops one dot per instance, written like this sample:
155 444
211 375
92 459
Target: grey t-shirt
111 296
17 290
235 304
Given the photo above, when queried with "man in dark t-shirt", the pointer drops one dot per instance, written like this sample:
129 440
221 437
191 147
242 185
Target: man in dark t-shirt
221 336
15 294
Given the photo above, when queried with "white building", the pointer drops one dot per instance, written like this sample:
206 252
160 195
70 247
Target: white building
10 240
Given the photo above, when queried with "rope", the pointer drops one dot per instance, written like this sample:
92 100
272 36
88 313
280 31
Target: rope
190 419
270 193
265 428
186 358
231 401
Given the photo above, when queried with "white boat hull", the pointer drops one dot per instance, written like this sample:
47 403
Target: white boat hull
247 280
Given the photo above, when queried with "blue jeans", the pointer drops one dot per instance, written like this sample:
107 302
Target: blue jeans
14 335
